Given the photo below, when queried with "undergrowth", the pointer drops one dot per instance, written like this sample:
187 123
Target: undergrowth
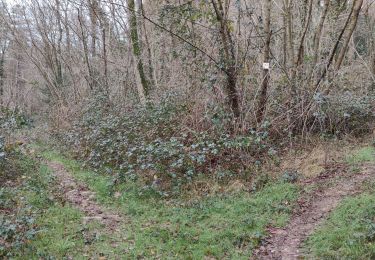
22 196
156 146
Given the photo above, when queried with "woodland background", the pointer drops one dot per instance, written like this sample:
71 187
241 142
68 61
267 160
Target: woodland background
177 129
175 89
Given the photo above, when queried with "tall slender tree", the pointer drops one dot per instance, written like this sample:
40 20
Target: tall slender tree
228 57
262 103
144 89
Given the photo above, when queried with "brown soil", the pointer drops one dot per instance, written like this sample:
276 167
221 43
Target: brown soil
285 243
82 198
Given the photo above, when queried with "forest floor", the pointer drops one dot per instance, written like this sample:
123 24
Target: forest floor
65 211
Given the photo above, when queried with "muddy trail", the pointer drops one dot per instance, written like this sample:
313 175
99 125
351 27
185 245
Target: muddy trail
79 195
285 243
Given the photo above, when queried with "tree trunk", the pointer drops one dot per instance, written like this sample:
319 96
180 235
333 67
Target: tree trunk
289 30
151 76
285 39
2 76
58 49
93 5
105 60
317 37
370 22
90 80
357 5
301 48
138 83
336 46
229 58
137 48
266 59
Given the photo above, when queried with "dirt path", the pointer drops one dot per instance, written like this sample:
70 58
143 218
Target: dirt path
82 198
285 243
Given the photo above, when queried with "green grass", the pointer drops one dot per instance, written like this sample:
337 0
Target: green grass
38 224
59 234
349 233
21 194
365 154
219 227
223 227
226 227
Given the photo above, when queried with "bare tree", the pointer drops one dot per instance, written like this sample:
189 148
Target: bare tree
229 58
356 8
351 22
318 35
266 61
137 51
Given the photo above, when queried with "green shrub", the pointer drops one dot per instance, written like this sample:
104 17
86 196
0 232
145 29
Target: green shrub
152 144
12 119
17 225
344 113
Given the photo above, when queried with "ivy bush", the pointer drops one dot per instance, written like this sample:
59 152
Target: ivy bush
11 119
153 145
17 216
345 113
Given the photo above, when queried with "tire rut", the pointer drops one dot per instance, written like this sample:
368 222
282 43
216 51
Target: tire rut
82 198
